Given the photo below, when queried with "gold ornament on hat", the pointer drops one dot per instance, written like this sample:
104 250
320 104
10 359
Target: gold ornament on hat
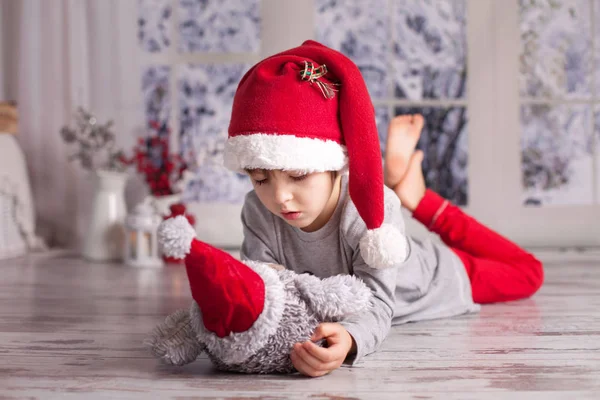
312 74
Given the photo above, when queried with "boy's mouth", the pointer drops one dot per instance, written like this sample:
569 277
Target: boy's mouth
291 215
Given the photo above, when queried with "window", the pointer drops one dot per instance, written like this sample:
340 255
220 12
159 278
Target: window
559 101
509 90
196 53
413 57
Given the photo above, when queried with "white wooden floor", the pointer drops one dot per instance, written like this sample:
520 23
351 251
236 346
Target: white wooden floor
73 330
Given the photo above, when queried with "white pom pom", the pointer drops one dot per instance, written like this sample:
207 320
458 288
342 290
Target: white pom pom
175 236
383 247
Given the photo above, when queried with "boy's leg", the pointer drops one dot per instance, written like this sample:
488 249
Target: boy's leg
499 270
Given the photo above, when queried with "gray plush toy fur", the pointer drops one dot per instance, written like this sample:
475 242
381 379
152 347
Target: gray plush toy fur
308 302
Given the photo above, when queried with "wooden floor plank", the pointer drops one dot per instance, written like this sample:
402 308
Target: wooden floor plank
70 329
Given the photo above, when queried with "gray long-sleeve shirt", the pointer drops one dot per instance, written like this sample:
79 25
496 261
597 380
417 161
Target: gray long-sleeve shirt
430 283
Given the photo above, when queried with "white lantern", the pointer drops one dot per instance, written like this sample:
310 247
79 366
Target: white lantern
141 245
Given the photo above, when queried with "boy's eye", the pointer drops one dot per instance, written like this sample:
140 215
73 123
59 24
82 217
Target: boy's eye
260 181
299 177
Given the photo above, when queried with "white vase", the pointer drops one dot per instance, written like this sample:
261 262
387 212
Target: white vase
162 203
105 236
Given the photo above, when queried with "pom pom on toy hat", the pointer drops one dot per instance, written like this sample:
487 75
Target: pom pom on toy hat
231 295
308 109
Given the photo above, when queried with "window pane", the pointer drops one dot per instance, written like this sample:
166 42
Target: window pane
382 119
557 159
157 99
444 142
228 26
360 30
429 49
205 101
153 24
556 48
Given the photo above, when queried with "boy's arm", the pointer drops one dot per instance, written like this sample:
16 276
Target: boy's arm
370 328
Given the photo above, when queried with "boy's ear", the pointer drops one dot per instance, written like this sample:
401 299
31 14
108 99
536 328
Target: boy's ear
334 298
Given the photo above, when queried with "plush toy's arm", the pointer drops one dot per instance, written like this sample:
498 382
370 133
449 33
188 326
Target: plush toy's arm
174 341
334 298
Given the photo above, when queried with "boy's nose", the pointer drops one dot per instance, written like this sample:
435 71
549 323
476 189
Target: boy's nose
282 194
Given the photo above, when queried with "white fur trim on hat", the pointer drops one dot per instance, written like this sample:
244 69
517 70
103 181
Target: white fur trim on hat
383 247
286 152
239 346
175 236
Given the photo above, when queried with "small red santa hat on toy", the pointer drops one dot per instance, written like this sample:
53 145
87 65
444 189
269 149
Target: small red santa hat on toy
237 305
308 109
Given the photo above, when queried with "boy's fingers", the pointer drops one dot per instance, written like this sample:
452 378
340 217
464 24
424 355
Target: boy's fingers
332 361
299 364
324 330
317 334
325 355
303 367
309 359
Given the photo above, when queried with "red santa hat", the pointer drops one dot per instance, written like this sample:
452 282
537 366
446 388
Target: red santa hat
308 109
237 306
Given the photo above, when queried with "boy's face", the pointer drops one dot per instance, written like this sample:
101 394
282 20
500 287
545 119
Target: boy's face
305 201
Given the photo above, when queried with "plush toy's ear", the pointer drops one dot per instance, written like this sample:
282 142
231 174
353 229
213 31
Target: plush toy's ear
334 298
174 341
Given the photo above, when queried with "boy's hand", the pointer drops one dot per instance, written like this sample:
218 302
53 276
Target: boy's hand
312 360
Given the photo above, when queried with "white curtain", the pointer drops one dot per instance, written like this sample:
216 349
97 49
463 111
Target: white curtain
3 60
70 53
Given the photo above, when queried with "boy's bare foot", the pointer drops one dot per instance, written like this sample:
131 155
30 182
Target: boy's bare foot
403 134
411 189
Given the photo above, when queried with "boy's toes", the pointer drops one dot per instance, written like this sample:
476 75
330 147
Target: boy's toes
418 120
400 120
415 129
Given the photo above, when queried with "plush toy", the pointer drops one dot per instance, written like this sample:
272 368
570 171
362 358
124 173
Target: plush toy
246 315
